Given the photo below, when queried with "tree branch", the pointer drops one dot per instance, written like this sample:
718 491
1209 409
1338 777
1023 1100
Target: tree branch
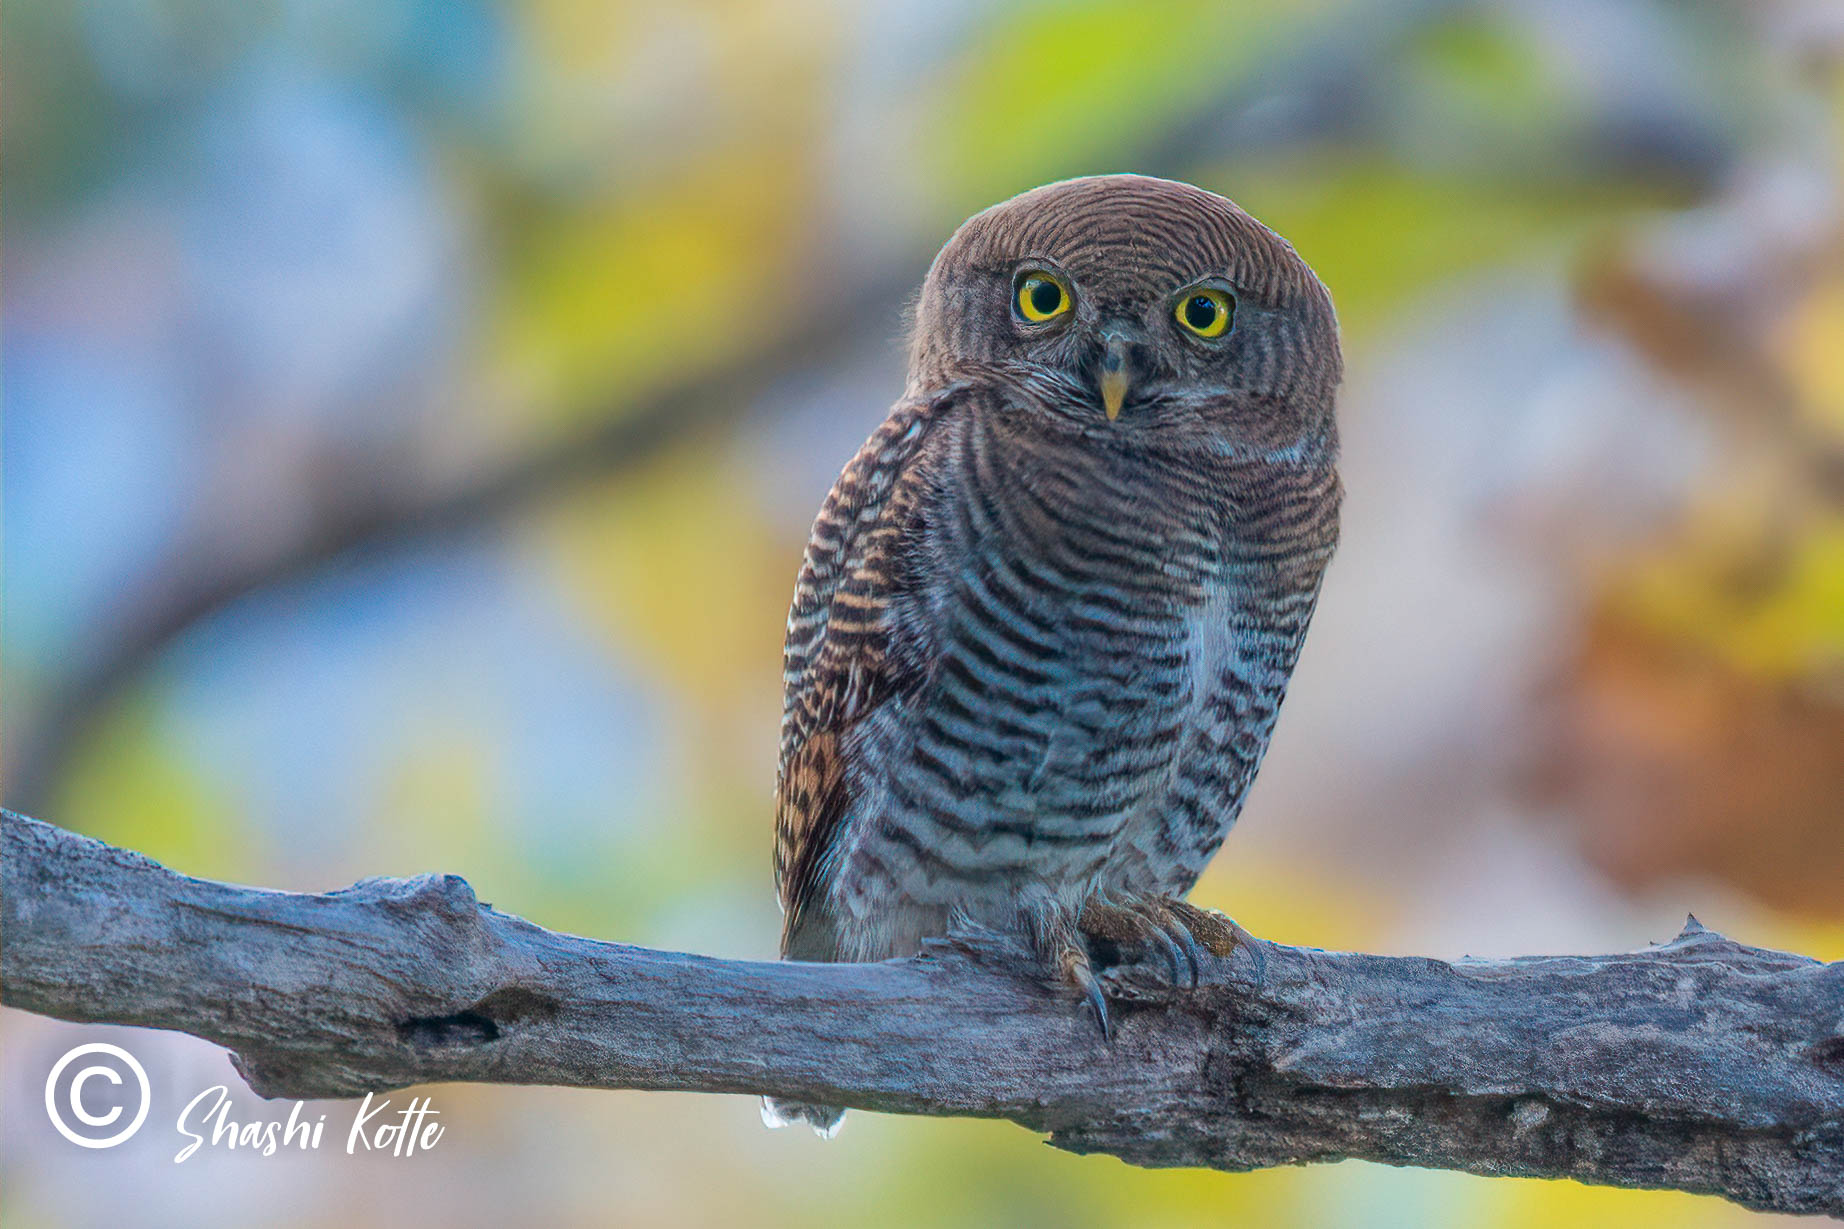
1702 1065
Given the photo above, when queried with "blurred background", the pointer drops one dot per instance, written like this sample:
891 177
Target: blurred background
416 408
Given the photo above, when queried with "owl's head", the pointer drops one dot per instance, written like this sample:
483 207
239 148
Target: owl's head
1126 307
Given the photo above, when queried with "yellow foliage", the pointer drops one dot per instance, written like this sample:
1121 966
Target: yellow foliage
661 281
130 786
434 808
1811 349
1294 903
1790 627
1380 234
1543 1204
1052 85
678 568
1484 64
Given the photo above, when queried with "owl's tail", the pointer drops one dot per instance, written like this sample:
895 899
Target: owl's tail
808 935
824 1119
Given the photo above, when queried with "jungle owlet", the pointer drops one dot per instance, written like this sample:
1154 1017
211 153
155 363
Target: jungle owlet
1048 612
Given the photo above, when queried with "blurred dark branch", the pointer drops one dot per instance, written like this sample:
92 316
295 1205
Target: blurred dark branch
392 510
1318 85
1702 1065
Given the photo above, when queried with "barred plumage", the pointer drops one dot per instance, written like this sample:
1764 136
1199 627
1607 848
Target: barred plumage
1048 613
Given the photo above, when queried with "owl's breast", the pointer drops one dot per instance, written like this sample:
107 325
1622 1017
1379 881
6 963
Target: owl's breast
1057 610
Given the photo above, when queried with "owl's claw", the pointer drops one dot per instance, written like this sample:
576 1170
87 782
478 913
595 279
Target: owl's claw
1076 968
1168 946
1258 955
1176 932
1097 1001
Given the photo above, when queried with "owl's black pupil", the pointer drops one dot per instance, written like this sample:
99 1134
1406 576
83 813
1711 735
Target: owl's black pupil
1046 297
1201 311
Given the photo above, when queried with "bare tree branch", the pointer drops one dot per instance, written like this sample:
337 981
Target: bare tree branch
1702 1065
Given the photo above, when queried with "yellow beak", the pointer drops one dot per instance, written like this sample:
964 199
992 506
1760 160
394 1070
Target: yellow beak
1113 392
1115 377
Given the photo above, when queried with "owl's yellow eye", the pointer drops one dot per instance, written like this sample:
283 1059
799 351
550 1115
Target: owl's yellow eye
1041 297
1206 312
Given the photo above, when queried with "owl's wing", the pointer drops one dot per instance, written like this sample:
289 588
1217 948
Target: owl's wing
837 667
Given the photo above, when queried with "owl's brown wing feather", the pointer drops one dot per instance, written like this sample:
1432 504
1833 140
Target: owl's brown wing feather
836 666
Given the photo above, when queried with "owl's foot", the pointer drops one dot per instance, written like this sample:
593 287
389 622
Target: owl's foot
1109 935
1178 931
1221 935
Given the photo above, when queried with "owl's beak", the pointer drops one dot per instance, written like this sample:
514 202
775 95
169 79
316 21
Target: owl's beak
1115 374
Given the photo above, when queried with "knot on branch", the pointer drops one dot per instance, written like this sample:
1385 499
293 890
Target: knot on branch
446 896
485 1021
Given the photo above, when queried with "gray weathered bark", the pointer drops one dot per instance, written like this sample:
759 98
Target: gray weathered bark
1702 1065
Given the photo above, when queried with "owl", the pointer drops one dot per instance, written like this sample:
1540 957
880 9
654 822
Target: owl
1047 615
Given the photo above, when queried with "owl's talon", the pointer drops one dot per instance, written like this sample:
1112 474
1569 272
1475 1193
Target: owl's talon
1258 956
1176 934
1168 947
1076 968
1097 1001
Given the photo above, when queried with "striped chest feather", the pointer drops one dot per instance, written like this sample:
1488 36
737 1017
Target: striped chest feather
1068 607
